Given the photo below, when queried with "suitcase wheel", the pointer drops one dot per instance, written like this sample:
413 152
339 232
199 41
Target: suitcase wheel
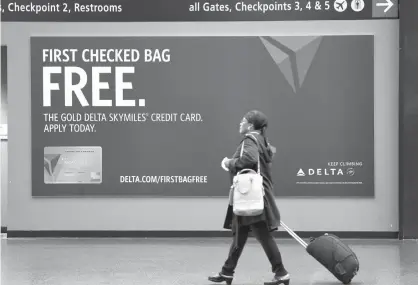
347 281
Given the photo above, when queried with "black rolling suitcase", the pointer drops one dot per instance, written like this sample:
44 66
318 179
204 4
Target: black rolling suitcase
332 253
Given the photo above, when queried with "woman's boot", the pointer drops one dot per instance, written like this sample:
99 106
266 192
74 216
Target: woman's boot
218 278
279 278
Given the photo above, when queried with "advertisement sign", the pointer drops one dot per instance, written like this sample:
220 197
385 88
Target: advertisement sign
154 116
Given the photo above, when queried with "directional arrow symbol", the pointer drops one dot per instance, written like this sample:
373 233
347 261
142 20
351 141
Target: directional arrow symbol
388 5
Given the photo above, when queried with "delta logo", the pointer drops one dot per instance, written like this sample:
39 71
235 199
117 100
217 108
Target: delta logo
320 172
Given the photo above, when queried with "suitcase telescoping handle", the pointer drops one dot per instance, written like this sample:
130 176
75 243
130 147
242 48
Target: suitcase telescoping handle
294 235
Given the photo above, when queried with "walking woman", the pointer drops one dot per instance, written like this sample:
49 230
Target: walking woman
254 123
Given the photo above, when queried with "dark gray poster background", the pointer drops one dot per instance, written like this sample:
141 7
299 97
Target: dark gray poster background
325 118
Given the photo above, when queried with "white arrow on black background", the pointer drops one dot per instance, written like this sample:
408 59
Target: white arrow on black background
388 5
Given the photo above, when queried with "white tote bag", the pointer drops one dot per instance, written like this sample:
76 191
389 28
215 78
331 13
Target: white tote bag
248 191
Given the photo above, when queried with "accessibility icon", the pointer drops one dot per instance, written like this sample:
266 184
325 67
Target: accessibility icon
357 5
340 5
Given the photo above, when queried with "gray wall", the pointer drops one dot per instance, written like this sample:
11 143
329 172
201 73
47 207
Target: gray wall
3 142
27 213
3 181
3 105
408 120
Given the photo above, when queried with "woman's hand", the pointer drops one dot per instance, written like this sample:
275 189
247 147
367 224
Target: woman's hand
272 150
225 163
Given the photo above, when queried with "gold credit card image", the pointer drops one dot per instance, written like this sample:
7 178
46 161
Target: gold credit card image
73 165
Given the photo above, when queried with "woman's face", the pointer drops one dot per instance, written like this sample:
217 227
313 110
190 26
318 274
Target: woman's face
244 126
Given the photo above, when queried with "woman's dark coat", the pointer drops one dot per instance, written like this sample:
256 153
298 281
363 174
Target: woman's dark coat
249 159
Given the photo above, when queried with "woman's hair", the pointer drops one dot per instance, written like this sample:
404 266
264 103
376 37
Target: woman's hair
258 120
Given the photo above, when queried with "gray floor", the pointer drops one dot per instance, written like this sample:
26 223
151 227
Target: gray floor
188 261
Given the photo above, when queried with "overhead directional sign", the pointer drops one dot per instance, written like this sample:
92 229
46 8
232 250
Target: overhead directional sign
195 10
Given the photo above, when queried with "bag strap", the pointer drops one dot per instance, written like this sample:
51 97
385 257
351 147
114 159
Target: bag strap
258 151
